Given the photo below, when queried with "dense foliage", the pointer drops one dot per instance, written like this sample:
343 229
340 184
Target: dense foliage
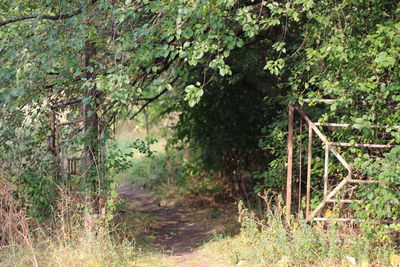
225 126
228 67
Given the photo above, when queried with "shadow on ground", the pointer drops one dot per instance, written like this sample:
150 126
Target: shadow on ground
177 232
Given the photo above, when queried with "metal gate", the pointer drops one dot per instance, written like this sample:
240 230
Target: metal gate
68 155
330 193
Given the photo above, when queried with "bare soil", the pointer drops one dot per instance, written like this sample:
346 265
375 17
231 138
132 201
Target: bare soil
180 230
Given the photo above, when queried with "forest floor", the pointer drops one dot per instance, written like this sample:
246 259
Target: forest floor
180 229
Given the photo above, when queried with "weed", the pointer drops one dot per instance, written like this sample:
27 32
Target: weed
272 241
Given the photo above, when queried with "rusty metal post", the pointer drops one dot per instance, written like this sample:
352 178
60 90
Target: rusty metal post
300 162
326 170
53 132
63 160
290 164
309 158
102 147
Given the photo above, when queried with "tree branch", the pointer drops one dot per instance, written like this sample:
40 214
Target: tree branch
48 17
66 103
149 100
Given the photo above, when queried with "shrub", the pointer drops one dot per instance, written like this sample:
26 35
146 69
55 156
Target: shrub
381 209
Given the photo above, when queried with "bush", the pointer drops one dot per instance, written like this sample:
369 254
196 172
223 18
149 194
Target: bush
381 209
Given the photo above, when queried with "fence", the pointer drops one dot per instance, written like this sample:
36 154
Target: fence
329 194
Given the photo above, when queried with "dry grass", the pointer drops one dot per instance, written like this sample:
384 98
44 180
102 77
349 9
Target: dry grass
260 243
14 226
68 240
85 250
271 242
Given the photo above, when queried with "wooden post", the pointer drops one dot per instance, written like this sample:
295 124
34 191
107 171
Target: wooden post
90 123
290 164
309 158
58 141
102 146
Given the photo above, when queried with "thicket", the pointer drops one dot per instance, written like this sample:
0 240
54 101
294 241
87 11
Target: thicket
224 128
342 50
229 68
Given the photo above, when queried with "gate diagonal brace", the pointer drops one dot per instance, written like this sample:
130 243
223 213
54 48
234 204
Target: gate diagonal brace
329 147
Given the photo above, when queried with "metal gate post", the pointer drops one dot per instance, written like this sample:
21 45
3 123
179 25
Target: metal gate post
290 164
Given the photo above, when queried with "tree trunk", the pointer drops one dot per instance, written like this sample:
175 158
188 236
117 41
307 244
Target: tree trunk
90 123
91 135
146 121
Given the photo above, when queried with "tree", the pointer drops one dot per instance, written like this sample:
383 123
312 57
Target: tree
119 57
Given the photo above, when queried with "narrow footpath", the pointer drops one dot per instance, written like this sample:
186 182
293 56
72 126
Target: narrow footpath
176 234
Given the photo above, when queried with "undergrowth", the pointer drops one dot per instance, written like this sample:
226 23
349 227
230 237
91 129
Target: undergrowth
70 238
269 240
265 238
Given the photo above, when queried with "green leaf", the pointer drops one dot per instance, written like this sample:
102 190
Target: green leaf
385 60
193 94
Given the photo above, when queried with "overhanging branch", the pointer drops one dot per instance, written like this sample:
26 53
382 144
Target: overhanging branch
66 103
48 17
149 100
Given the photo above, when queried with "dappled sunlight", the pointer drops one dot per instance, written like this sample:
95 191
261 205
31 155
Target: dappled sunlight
199 133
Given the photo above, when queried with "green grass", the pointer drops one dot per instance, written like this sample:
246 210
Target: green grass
144 170
272 242
127 240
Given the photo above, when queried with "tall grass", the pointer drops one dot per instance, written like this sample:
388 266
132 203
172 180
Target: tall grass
81 250
67 240
271 241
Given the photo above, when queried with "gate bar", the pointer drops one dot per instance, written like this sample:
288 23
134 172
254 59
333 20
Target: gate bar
309 158
290 164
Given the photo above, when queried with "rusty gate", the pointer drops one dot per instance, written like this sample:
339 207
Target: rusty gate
60 142
330 191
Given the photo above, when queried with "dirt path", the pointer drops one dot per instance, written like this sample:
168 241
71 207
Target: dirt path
176 233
